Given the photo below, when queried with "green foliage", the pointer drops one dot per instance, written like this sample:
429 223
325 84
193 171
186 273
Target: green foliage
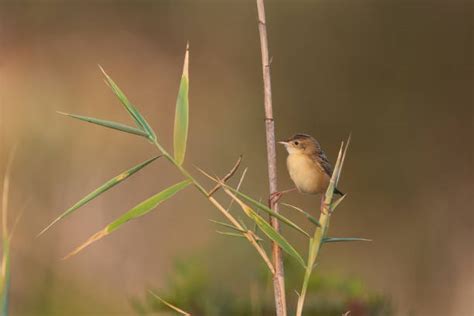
104 187
109 124
197 290
268 210
343 239
141 209
131 109
310 218
181 119
147 205
275 236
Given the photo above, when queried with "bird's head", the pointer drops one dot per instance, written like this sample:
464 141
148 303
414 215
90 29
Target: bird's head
300 144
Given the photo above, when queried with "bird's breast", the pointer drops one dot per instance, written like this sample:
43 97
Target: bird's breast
306 174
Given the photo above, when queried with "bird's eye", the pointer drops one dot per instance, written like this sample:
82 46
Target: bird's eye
296 143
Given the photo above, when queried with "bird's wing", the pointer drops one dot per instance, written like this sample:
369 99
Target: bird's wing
324 163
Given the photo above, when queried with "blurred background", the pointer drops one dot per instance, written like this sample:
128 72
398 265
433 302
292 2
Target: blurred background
397 74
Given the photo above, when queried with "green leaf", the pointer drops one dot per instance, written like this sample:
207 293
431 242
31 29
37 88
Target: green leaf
306 214
275 236
343 239
147 205
181 119
267 229
238 235
104 187
108 124
228 226
137 211
131 109
268 210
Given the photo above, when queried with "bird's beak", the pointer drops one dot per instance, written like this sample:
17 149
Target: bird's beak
282 142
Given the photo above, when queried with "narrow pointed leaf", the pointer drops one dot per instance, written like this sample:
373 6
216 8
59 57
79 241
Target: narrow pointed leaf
228 226
230 234
311 218
343 157
181 119
333 181
131 109
267 229
343 239
103 188
147 205
137 211
179 310
268 210
241 221
336 203
239 235
109 124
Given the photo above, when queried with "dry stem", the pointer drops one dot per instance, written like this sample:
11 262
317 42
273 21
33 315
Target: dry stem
279 276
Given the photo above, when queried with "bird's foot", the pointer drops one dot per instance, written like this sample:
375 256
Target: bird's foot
275 197
325 207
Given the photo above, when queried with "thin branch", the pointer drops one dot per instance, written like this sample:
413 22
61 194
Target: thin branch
175 308
227 176
279 277
238 187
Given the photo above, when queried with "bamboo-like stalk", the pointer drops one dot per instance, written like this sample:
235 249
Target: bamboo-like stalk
279 276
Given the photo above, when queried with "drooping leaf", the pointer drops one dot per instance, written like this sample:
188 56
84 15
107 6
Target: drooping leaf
343 239
228 226
267 229
137 211
268 210
311 218
131 109
275 236
181 119
103 188
238 235
109 124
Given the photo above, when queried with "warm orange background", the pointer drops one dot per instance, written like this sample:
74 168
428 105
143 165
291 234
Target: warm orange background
398 74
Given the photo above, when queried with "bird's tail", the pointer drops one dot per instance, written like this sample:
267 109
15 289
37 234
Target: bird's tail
336 191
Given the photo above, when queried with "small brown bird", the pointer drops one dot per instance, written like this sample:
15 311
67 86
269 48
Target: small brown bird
308 166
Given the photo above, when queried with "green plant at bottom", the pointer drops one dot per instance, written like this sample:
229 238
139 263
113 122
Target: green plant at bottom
195 288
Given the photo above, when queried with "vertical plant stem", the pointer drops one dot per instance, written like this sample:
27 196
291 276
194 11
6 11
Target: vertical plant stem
314 246
279 276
